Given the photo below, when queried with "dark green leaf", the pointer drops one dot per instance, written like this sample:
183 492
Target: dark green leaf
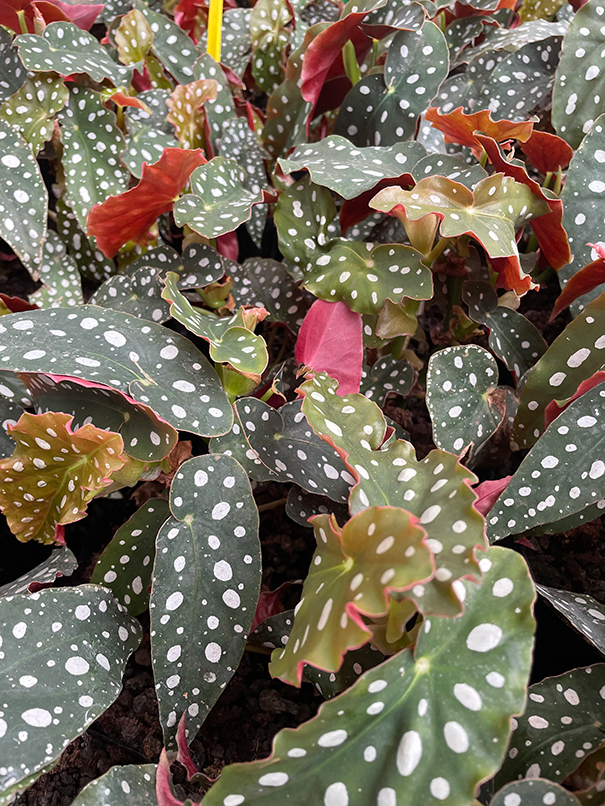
60 562
33 107
582 611
137 782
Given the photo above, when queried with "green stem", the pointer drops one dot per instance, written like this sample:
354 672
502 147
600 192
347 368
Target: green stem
436 250
454 297
272 505
558 182
532 243
547 179
22 21
375 43
483 158
349 59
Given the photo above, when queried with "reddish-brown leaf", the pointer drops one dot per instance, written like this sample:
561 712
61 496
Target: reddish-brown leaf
458 127
547 152
582 281
549 230
16 304
269 604
126 100
163 792
556 407
51 11
355 210
129 216
488 493
511 275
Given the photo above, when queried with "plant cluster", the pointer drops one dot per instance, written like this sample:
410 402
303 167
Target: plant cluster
392 171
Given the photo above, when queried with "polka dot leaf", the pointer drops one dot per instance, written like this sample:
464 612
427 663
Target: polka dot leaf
171 45
58 271
463 397
92 144
269 22
280 444
302 505
436 489
135 781
512 337
574 476
91 262
423 727
586 614
353 571
138 293
13 72
579 81
133 37
383 110
387 375
187 113
56 677
65 49
12 387
336 164
10 411
562 723
61 562
582 198
23 198
219 201
155 101
132 355
147 438
534 792
126 564
207 572
236 47
232 339
574 356
33 107
53 474
302 217
287 113
144 144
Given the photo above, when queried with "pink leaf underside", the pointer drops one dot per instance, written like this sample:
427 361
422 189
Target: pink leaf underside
488 492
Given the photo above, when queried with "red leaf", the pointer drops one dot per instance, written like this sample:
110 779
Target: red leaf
163 792
269 604
9 18
547 152
188 14
555 407
355 210
582 281
183 755
126 100
488 493
16 304
459 127
510 275
142 81
548 228
331 340
82 15
129 216
227 245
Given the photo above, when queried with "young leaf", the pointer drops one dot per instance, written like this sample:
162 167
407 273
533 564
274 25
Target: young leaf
137 782
13 72
463 398
186 112
147 438
33 107
336 164
126 217
219 202
459 127
126 564
54 473
579 82
331 340
60 563
384 110
562 721
419 728
91 152
207 572
534 792
582 282
65 49
56 678
354 569
23 199
133 37
512 337
87 343
582 611
270 36
574 476
62 284
547 152
171 45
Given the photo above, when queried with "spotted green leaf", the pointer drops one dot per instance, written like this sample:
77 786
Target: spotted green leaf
219 201
582 611
336 164
10 411
126 564
512 337
23 198
133 37
92 144
573 357
582 201
13 72
88 343
236 40
230 340
144 144
138 293
579 83
273 631
287 113
32 108
511 39
534 792
91 262
387 375
155 118
383 110
568 455
462 397
423 727
353 571
171 45
302 215
62 284
207 572
270 36
186 112
450 167
12 387
436 489
61 562
355 663
56 677
562 722
302 505
137 782
65 49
